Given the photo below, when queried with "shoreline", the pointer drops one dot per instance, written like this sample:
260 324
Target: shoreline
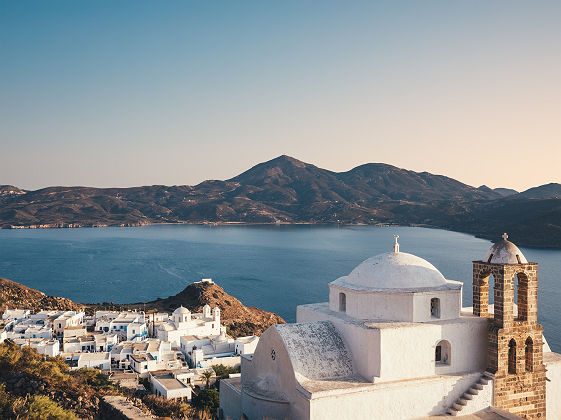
132 225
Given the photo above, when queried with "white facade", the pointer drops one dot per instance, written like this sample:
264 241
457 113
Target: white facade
184 323
168 386
43 346
130 325
203 352
393 342
66 319
90 343
101 360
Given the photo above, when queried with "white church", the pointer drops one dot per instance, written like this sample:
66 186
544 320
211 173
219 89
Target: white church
394 342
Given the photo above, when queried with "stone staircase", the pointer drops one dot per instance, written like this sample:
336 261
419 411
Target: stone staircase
464 400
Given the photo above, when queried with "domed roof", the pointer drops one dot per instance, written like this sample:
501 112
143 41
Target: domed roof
504 252
182 310
395 270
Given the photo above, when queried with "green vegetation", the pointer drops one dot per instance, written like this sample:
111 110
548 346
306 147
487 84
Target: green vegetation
206 375
36 407
223 371
207 400
167 408
39 387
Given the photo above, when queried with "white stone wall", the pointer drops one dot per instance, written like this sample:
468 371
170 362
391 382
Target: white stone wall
396 401
230 401
553 386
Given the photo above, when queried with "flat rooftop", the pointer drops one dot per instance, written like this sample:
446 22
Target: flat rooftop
169 382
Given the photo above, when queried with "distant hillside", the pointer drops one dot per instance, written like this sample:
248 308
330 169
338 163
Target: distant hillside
15 295
286 190
552 190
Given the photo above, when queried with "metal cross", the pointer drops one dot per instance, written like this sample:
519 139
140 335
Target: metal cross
505 236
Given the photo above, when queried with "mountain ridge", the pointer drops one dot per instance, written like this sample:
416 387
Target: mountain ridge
287 190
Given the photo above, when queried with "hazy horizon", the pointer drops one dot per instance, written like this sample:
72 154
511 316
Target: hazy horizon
130 93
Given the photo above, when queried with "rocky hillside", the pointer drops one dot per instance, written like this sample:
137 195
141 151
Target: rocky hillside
15 295
240 320
286 190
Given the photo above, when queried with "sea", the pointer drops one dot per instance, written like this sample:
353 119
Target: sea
273 267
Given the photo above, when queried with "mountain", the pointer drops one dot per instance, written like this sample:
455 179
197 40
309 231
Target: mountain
552 190
503 192
286 190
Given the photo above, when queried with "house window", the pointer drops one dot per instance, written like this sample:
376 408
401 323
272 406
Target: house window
435 308
342 302
442 353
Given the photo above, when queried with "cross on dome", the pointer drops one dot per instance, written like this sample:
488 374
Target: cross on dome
505 236
396 244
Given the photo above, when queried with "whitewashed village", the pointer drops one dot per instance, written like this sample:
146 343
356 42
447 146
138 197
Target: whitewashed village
171 353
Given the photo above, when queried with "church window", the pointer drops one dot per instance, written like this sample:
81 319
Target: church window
529 352
442 353
435 307
342 302
512 356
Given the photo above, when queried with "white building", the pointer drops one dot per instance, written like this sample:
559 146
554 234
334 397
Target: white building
44 346
220 349
166 385
66 319
90 343
130 325
158 355
100 360
15 314
393 342
183 322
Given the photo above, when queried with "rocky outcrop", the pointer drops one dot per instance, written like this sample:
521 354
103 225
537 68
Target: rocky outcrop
15 295
240 320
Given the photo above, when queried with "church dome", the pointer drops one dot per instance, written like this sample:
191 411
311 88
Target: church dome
393 270
181 310
504 252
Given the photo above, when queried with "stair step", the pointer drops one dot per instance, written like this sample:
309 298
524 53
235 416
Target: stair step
462 401
452 412
478 386
483 381
457 406
467 396
473 391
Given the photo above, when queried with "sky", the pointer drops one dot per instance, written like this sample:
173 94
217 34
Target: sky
128 93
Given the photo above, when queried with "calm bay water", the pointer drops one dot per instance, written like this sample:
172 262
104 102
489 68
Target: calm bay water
274 268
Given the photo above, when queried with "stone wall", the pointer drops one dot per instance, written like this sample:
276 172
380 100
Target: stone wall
515 347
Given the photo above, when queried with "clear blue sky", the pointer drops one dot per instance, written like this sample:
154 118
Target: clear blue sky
123 93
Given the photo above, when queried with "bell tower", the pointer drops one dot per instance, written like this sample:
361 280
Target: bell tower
515 343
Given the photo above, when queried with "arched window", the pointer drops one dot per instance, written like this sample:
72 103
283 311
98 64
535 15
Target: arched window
342 302
521 296
435 308
491 289
442 354
529 351
512 356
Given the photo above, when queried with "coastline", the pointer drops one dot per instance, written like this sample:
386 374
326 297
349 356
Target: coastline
479 235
